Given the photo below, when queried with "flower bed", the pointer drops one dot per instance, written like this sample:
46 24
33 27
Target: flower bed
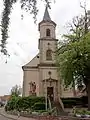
80 113
48 117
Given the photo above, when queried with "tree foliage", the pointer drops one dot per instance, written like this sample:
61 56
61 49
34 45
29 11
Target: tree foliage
73 57
16 91
74 62
28 5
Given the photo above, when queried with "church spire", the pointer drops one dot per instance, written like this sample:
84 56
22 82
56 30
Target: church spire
46 19
46 16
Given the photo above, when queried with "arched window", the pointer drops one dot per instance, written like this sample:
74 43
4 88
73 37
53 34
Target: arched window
47 32
49 54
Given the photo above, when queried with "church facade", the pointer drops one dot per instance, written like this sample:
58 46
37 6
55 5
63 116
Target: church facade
40 76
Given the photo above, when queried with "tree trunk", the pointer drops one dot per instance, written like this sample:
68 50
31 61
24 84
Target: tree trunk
59 106
88 94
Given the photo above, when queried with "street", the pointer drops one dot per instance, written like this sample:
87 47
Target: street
11 117
3 118
21 118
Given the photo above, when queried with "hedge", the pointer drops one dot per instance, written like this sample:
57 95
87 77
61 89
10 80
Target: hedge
38 103
71 102
23 103
39 106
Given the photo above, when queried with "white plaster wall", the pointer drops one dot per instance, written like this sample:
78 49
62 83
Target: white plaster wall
31 75
44 26
66 92
44 47
53 73
44 75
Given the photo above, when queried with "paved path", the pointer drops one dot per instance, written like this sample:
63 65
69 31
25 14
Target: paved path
3 118
6 116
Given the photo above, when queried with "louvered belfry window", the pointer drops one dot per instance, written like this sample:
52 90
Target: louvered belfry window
47 32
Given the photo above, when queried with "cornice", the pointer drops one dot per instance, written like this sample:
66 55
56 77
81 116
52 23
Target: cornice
39 65
29 67
49 80
43 21
47 39
47 65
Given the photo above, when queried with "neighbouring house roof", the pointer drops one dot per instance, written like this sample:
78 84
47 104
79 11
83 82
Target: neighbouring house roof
5 97
33 63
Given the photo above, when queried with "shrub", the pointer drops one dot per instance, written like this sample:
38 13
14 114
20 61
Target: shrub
39 106
23 103
80 111
84 101
12 104
40 111
71 102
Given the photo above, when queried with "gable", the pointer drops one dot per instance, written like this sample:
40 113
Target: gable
34 62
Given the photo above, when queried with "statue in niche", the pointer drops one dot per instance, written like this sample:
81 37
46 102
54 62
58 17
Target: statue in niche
32 88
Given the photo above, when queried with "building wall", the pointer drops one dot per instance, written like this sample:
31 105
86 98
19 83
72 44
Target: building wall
30 75
44 40
44 47
67 93
37 76
43 73
44 26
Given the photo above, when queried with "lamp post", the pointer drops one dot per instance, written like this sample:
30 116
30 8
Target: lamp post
49 73
46 94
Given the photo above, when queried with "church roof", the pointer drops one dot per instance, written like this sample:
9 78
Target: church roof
33 63
46 16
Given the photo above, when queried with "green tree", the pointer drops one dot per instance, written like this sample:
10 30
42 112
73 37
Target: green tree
16 91
73 56
74 64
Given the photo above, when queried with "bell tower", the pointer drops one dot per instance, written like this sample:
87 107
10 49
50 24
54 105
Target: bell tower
48 78
47 42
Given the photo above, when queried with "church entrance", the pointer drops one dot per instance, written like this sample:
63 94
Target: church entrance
50 93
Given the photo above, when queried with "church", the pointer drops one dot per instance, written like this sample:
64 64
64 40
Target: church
40 77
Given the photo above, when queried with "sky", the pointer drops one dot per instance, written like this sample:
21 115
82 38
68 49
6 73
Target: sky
22 44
